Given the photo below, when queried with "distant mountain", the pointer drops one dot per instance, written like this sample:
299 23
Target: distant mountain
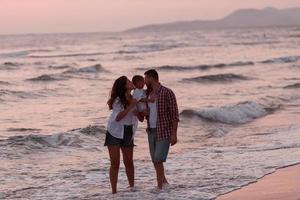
238 19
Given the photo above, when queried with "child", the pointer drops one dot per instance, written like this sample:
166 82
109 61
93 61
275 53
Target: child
139 92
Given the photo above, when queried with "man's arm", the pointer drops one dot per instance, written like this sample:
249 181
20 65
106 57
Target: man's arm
175 117
174 133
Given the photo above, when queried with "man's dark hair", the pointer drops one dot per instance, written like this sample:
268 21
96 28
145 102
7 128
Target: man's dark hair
152 73
136 79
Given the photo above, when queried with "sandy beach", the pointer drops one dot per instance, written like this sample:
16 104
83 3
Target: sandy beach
283 184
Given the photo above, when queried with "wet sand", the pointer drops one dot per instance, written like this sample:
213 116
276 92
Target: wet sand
283 184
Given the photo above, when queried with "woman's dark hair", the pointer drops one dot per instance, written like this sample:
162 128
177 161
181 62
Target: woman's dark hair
118 90
152 73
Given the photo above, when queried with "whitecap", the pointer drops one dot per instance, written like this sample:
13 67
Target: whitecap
231 114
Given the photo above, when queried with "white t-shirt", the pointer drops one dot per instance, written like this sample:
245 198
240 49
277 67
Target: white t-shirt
139 94
153 114
116 128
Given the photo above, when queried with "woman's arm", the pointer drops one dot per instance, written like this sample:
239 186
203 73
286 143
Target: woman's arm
123 113
144 100
138 115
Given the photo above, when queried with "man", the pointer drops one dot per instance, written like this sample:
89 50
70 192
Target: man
163 121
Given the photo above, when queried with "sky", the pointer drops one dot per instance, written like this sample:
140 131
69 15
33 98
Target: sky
57 16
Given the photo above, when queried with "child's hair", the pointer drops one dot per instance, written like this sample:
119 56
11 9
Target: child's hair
136 79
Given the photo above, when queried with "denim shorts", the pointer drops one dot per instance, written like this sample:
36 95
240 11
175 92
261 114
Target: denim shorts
127 140
159 149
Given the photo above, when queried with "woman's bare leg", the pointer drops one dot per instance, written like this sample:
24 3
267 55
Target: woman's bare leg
128 162
114 154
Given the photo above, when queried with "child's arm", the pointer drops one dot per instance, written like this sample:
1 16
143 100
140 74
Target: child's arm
146 100
138 115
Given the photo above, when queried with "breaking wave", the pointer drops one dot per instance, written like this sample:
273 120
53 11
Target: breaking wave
59 67
200 67
70 138
91 69
255 43
67 55
40 141
46 77
10 66
216 78
14 54
4 83
22 129
296 85
18 94
287 59
92 130
231 114
151 47
71 73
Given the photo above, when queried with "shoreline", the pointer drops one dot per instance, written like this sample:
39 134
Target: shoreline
283 183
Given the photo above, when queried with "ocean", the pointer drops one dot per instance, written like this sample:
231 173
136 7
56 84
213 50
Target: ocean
238 92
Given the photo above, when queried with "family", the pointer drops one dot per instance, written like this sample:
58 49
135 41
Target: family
130 103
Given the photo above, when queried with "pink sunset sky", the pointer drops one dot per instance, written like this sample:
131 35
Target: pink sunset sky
48 16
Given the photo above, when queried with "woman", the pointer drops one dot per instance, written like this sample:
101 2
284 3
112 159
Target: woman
121 127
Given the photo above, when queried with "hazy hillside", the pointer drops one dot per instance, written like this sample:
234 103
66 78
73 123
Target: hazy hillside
241 18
